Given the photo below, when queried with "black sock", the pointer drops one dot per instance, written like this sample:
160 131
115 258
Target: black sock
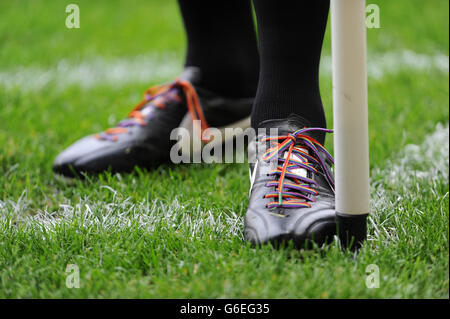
290 38
221 41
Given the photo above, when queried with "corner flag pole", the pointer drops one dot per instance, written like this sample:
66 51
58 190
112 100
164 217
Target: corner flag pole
350 112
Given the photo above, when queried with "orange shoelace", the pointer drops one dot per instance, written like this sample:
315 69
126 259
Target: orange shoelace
292 189
158 96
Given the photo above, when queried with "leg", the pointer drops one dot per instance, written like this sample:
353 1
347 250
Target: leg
292 194
217 87
290 36
221 41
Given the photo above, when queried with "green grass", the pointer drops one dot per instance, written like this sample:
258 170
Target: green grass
135 241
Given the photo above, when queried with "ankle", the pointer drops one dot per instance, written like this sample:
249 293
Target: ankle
229 81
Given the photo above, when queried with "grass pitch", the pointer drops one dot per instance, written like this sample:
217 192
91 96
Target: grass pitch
177 231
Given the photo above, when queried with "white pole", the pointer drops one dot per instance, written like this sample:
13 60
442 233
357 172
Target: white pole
350 112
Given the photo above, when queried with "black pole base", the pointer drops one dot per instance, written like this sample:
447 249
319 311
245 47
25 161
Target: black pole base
352 230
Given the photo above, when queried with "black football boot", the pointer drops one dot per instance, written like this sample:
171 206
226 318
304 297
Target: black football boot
292 186
146 137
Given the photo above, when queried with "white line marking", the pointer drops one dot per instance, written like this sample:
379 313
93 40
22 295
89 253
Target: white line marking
404 175
93 73
154 67
379 65
148 215
416 163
